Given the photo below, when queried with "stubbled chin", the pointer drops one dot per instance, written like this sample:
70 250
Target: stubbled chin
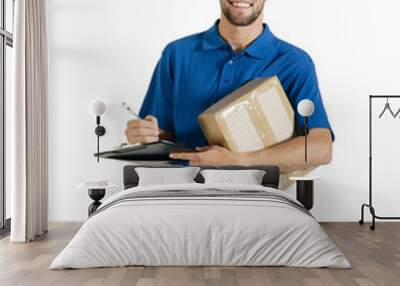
241 13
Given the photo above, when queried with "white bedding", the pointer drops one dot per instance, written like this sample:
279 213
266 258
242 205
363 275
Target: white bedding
189 231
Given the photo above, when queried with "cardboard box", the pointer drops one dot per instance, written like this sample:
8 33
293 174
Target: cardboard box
256 116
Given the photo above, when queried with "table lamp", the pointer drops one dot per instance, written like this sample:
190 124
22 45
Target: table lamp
305 185
305 109
97 107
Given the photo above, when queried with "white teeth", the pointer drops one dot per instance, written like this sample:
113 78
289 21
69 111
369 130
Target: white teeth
241 4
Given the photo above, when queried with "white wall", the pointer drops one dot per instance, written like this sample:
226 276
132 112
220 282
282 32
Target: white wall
108 49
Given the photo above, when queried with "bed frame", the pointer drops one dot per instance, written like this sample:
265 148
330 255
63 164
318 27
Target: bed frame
271 177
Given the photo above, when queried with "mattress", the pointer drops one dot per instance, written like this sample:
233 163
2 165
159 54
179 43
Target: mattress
201 225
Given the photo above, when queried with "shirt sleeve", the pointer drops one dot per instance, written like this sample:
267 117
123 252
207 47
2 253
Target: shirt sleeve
305 86
159 97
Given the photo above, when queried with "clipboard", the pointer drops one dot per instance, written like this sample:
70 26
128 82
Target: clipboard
156 151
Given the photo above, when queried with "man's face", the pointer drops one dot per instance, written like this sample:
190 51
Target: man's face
242 12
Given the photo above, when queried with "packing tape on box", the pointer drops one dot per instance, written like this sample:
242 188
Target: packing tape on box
260 118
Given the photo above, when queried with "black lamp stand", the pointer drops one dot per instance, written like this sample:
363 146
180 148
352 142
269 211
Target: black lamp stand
305 137
305 188
100 131
305 193
96 195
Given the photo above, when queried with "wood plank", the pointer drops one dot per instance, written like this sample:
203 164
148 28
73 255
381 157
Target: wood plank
375 257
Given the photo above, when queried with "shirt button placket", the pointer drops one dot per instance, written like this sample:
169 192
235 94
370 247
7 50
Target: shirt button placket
225 79
228 70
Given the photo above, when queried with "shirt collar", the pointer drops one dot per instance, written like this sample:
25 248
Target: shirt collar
212 39
260 47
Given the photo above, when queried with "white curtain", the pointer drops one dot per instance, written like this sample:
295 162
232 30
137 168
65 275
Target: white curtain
28 120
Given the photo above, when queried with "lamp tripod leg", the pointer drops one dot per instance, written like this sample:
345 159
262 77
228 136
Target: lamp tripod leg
98 149
100 131
305 137
98 137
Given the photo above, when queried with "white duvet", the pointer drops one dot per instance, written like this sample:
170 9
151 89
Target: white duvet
202 231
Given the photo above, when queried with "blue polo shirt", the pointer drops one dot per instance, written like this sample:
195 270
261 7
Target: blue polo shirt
197 71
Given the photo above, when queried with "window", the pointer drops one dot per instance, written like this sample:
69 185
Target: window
6 44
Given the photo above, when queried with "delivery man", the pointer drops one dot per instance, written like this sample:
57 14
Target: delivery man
197 71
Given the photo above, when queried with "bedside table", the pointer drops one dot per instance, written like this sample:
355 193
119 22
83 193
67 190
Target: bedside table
305 190
96 193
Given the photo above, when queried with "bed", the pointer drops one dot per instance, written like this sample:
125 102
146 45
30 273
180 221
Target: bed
199 224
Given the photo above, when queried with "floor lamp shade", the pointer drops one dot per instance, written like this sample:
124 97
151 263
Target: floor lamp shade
97 107
305 108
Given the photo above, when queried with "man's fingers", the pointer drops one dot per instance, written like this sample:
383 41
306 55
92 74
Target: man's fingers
184 156
141 132
203 148
142 139
152 119
138 123
218 147
207 148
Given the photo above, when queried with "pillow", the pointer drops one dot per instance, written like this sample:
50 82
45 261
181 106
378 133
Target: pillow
247 177
162 176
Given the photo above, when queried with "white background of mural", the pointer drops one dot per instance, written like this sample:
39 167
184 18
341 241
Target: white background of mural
108 49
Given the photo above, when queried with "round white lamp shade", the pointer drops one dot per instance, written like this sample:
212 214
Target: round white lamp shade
305 107
97 107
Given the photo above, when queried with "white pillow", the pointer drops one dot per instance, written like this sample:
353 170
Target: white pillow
162 176
247 177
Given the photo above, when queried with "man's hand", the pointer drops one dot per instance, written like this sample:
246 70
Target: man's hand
142 131
210 155
288 156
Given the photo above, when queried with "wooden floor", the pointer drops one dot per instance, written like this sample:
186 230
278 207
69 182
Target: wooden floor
375 257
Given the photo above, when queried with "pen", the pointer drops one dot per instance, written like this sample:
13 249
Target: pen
130 110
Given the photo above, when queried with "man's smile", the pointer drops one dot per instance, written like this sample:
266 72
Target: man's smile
242 12
240 4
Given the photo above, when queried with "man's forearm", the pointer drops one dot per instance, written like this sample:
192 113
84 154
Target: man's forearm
289 156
